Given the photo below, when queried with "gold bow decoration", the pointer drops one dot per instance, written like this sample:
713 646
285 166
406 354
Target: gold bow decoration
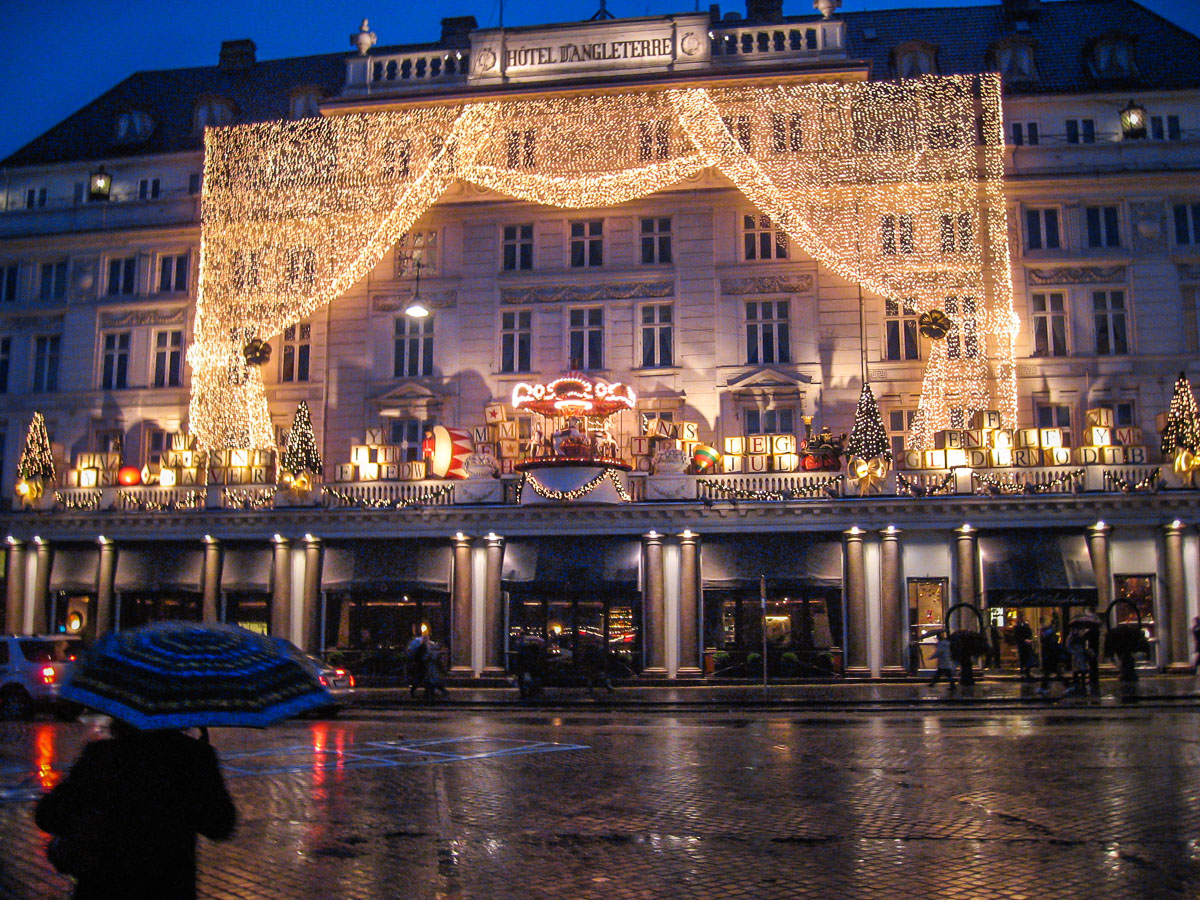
299 483
1187 464
30 490
869 473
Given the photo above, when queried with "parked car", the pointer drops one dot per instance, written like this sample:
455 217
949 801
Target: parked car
32 670
338 682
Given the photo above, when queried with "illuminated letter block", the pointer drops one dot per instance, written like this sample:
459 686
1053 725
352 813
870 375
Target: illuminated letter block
1101 418
237 475
783 443
1051 437
757 463
1028 437
89 477
1098 436
689 431
913 459
985 419
977 439
345 472
758 444
389 472
86 461
181 441
642 463
1087 456
260 475
1135 455
948 440
1129 436
413 470
1027 457
188 475
216 474
1056 456
488 450
956 458
510 449
374 436
639 445
481 434
1001 457
735 445
786 462
507 431
239 457
507 467
494 413
978 458
733 463
368 471
935 459
1112 456
167 476
360 454
106 478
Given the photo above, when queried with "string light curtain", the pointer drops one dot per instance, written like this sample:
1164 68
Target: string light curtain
895 185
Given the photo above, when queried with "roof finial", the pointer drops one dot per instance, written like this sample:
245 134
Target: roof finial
602 12
827 7
364 39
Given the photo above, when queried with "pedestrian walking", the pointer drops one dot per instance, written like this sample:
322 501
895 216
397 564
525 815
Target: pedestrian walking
1023 635
1077 649
1051 653
125 818
994 641
434 678
416 655
944 661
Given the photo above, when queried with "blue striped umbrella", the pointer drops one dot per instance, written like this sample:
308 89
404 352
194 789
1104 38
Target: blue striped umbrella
187 675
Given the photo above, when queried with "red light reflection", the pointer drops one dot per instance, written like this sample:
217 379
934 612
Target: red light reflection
44 736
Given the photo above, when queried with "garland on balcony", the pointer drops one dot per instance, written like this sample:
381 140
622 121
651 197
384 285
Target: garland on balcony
1125 486
346 499
236 498
191 500
993 485
909 488
89 502
575 493
829 487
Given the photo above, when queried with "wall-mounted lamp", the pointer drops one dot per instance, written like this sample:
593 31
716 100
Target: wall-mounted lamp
99 185
1133 121
417 309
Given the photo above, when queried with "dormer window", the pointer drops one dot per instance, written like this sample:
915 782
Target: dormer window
304 104
133 127
1110 57
1013 58
912 59
214 111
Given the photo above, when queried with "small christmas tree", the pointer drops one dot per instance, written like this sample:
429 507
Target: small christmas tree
37 459
301 452
868 438
1183 421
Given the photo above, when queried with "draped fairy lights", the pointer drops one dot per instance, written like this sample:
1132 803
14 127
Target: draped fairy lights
886 184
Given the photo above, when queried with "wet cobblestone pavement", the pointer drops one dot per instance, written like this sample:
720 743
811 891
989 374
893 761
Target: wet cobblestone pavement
1089 802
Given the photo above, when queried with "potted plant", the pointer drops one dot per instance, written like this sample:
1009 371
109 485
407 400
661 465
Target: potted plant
1123 642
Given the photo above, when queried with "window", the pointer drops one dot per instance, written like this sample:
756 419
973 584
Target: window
1189 298
213 111
168 358
768 338
1136 596
297 347
787 133
658 335
1081 131
155 443
1055 415
9 277
1025 133
1170 132
5 359
408 435
587 243
301 267
148 189
1108 313
1110 58
585 339
654 140
53 281
45 362
1187 223
173 273
122 276
133 127
1049 324
1041 229
900 330
304 105
957 233
762 240
656 240
888 233
114 373
1013 58
417 247
1103 226
771 421
518 248
195 183
900 423
1122 411
521 147
516 340
35 198
413 346
739 129
913 63
962 340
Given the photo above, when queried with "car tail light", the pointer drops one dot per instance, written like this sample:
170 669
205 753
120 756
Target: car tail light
48 675
324 681
351 677
340 673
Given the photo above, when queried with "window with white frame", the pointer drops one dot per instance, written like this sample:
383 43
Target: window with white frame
409 434
658 335
517 246
35 198
1109 318
1041 229
413 347
958 234
296 351
787 132
114 361
304 104
195 183
52 281
108 440
900 424
776 420
896 234
213 111
521 148
1025 133
654 140
739 129
585 339
1123 412
1049 323
900 330
587 243
962 340
46 349
655 238
417 247
1189 298
301 267
1165 128
133 126
1103 226
148 188
1187 223
122 276
1081 131
5 362
10 279
154 445
516 341
768 332
168 358
173 272
762 240
1013 58
1055 415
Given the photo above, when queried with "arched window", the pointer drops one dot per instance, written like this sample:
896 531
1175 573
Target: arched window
214 111
1110 57
304 103
1014 59
132 127
912 59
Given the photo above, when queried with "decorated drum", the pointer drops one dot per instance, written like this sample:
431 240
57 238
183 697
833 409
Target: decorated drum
451 447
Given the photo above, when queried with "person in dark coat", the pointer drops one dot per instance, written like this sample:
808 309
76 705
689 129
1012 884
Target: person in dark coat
129 812
1051 656
1023 635
994 644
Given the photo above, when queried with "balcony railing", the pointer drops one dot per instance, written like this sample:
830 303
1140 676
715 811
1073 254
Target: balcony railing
398 71
767 43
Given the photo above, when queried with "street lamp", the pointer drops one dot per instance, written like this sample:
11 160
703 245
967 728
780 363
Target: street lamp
416 309
1133 121
99 185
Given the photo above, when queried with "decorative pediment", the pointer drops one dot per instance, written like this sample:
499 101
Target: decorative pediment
1077 275
587 293
399 302
768 381
768 284
127 318
409 399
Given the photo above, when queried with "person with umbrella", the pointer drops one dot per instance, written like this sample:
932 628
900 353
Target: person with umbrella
126 817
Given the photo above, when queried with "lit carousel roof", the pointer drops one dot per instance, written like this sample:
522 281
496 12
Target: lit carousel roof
574 394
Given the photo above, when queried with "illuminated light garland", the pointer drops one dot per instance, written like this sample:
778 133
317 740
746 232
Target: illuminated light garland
583 490
89 502
189 501
346 499
237 498
1125 486
992 484
295 213
906 487
829 487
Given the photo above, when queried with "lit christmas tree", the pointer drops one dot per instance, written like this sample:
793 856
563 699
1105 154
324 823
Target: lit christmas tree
301 453
868 438
37 459
1182 433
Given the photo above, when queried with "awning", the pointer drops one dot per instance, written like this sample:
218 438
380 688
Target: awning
738 560
586 560
158 565
74 568
246 568
387 565
1037 567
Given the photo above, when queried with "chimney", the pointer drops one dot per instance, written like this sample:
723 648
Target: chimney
766 11
456 31
237 56
1022 10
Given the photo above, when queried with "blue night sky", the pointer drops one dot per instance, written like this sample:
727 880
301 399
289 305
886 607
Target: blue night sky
58 55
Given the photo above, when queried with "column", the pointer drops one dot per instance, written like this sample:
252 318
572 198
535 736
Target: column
1097 538
214 558
689 605
105 581
856 603
281 588
41 585
314 559
493 637
966 585
460 608
893 618
1175 641
14 601
654 607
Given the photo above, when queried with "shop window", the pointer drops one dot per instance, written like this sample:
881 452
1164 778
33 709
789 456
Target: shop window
762 239
1135 597
926 617
516 341
1049 324
900 330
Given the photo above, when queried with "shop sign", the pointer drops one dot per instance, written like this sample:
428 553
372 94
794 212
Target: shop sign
1042 597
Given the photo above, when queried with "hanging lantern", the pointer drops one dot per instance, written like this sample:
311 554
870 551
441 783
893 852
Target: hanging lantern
935 324
99 185
705 457
1133 121
129 476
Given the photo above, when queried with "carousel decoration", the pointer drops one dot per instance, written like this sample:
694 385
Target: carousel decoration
36 466
1181 436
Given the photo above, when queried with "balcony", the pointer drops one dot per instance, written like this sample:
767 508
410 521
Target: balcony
748 45
398 72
